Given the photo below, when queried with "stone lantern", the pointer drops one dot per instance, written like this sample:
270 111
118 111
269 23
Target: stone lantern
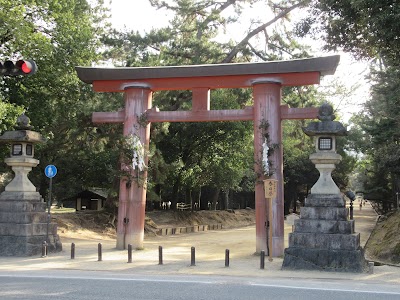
24 223
323 238
325 158
21 160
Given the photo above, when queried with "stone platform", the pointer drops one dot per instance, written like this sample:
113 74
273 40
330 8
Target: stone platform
23 228
324 239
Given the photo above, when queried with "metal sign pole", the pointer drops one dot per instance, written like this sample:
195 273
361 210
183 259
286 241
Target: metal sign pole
50 171
48 210
270 190
270 229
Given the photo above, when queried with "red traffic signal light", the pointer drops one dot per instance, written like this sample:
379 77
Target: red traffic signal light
21 67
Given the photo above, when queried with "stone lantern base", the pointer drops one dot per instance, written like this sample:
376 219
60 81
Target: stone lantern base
323 238
23 228
23 217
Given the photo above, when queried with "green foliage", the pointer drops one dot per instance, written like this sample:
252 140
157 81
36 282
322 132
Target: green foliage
58 35
366 28
376 135
184 157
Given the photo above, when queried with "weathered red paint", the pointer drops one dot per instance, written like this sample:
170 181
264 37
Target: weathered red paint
266 80
200 99
210 82
246 114
132 196
267 123
266 109
298 113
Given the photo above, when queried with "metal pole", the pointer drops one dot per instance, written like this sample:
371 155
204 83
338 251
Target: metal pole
129 253
48 210
160 255
192 256
262 259
351 209
44 249
270 222
227 258
73 251
99 254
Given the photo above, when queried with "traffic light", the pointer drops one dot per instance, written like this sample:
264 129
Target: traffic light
21 67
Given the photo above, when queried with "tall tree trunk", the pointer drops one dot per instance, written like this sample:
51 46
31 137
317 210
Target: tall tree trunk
199 199
215 197
175 191
189 198
226 204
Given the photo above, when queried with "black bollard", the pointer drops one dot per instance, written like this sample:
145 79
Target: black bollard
44 249
351 210
192 256
129 253
262 259
72 251
351 197
160 255
227 258
99 254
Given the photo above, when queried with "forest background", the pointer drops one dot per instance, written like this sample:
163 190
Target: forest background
199 162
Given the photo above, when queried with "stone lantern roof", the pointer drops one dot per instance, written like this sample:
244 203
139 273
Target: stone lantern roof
327 126
23 133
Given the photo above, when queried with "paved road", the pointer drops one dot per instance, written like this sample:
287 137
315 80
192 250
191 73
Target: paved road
98 285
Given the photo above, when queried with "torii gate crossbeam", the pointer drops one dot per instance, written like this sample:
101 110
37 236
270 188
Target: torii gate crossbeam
266 79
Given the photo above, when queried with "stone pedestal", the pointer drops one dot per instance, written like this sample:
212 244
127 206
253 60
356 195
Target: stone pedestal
324 239
23 228
325 163
23 216
21 167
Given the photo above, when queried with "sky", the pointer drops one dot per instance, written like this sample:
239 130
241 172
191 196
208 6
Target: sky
140 15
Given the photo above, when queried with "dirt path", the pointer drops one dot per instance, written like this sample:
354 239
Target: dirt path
210 256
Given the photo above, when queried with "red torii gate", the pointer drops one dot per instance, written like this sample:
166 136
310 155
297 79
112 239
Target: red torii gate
265 78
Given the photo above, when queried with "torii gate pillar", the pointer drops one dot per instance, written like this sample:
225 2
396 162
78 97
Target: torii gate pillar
132 194
267 122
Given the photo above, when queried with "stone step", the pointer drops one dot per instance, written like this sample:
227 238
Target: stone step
21 206
325 260
324 226
23 217
324 213
324 200
324 241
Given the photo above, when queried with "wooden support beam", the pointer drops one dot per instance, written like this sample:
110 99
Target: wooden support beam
200 116
298 113
108 117
200 99
154 115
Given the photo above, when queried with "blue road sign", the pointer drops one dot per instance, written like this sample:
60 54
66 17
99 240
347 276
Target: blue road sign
50 171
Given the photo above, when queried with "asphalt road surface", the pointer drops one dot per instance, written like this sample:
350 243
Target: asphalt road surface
102 285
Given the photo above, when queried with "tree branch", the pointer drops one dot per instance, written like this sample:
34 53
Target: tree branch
257 53
211 16
259 29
